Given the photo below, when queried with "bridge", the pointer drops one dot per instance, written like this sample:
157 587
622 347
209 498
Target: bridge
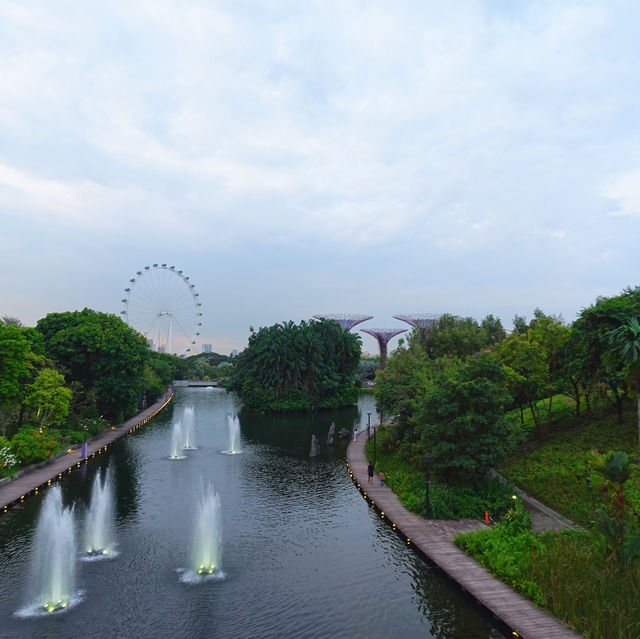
203 383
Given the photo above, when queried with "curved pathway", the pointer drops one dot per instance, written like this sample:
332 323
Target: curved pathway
30 482
434 538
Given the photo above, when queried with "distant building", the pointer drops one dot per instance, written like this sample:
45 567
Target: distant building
234 352
150 343
206 348
161 349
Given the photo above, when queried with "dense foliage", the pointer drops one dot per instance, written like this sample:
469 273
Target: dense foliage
303 366
100 352
564 572
63 381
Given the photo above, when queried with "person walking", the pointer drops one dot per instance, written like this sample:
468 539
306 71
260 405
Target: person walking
370 472
381 478
355 434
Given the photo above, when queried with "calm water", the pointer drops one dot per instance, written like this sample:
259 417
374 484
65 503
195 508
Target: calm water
303 555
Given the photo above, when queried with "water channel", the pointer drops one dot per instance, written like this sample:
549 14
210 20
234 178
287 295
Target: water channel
302 554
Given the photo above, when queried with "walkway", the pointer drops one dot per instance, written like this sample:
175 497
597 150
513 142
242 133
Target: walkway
31 481
434 538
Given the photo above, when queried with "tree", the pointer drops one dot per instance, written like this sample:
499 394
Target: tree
461 419
593 327
399 386
533 360
102 353
298 367
49 398
615 521
624 353
14 368
461 336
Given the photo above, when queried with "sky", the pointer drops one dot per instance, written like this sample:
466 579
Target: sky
299 158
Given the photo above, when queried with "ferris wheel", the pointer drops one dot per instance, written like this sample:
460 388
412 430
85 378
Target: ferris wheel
161 303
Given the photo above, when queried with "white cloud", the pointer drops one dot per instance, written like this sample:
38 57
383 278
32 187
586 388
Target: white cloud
625 190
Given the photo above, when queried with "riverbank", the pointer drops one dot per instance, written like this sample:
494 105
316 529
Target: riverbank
31 481
434 539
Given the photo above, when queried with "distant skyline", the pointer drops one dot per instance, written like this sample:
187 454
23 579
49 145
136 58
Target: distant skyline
294 159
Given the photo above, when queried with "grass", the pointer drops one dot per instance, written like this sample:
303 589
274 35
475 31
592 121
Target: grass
555 471
567 574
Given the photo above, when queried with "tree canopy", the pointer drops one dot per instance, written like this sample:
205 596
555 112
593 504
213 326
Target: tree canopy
302 366
101 353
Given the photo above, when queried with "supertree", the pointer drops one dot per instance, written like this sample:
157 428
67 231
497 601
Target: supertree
424 322
383 335
347 322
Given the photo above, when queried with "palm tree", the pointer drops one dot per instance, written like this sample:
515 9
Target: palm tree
624 349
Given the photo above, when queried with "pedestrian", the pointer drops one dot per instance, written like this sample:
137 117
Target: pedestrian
381 478
370 472
355 434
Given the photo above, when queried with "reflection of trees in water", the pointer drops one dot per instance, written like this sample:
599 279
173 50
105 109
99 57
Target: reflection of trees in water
280 464
451 613
292 432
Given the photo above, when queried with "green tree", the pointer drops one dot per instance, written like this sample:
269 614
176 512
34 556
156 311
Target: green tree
15 368
593 328
404 380
298 367
533 360
461 336
614 520
49 398
461 419
624 354
102 353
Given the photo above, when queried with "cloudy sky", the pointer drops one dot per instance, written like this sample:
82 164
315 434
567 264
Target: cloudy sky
339 156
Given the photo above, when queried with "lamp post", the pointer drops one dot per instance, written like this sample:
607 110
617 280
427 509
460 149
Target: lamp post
368 425
374 446
427 503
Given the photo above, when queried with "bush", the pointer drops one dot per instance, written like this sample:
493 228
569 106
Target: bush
8 461
506 551
31 446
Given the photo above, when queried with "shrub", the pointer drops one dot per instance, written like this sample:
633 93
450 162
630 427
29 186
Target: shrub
8 461
31 446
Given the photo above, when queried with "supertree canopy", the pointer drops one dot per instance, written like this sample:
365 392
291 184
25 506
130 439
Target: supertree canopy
347 322
383 335
422 321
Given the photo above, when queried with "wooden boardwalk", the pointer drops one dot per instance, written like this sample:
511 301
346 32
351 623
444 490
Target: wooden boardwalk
434 538
31 482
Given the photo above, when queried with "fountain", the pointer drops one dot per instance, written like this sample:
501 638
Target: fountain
176 441
188 429
206 550
54 560
99 533
234 435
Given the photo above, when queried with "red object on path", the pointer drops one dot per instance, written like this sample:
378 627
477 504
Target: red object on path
486 517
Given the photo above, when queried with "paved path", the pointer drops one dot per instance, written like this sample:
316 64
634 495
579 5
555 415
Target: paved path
29 483
434 538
